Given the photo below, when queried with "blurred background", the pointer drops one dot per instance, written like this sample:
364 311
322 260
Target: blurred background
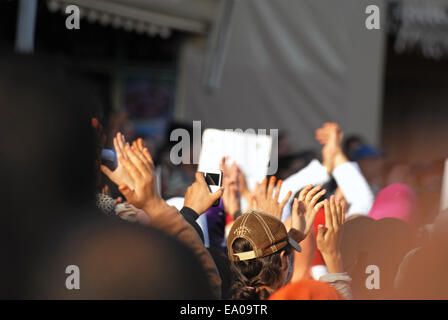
154 65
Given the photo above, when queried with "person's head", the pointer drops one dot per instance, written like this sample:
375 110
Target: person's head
46 127
260 251
117 261
290 163
48 160
396 201
284 144
351 143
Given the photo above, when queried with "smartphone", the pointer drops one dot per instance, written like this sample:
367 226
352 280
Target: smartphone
213 178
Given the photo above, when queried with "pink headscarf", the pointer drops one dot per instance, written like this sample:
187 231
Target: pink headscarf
395 201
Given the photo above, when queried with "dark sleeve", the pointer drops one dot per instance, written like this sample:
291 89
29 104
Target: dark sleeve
190 216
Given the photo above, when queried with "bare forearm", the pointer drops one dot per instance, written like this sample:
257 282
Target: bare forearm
334 262
339 159
156 208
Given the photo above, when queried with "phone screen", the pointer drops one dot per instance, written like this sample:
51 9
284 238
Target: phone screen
212 179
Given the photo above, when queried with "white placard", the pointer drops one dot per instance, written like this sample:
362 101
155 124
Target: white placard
251 152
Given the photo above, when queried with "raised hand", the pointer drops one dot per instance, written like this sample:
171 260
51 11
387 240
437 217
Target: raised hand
330 136
231 200
139 165
243 189
225 169
119 175
305 208
264 198
329 237
138 144
198 196
231 196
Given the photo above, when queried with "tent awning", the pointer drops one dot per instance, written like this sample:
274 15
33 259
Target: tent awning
154 17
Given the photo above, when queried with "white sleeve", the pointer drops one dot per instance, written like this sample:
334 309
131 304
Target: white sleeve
354 187
314 173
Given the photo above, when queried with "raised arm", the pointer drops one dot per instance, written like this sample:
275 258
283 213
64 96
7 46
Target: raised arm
347 174
139 165
328 240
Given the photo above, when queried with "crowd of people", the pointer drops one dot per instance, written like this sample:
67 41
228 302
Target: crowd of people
317 233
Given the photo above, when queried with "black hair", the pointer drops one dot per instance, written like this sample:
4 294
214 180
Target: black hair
349 141
330 186
253 278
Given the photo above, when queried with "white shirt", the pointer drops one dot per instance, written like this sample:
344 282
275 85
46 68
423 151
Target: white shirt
348 176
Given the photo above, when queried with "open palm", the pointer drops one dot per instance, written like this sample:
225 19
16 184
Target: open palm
305 208
119 175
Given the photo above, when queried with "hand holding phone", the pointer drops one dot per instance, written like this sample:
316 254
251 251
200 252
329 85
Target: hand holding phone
200 196
213 178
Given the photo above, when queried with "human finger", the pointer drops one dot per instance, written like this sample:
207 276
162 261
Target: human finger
117 148
261 188
148 157
131 169
277 189
294 213
317 197
121 144
311 194
136 161
328 216
140 155
270 187
140 144
334 213
285 200
314 212
200 178
304 192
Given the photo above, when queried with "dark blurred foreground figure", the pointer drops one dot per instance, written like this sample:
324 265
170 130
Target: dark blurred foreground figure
120 261
49 220
378 247
422 273
46 166
374 246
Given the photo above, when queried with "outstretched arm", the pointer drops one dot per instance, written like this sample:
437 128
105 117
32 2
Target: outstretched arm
139 165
